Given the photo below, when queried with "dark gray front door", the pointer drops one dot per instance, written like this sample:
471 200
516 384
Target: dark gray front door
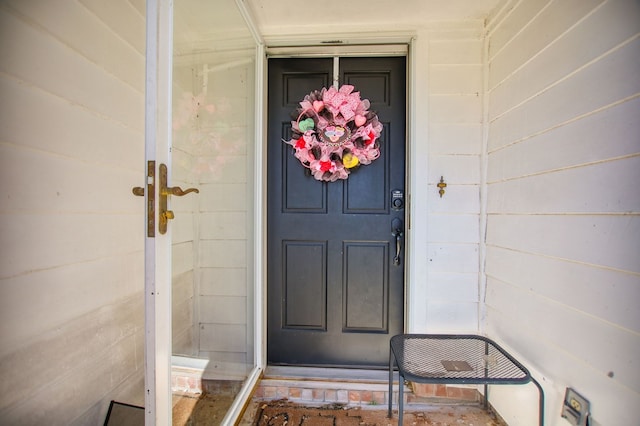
335 291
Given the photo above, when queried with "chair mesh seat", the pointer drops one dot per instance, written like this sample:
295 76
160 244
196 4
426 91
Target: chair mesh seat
455 359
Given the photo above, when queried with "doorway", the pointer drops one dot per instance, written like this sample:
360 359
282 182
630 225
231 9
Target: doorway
335 250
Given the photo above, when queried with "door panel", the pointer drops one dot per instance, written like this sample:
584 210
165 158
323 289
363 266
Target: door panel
304 305
335 296
300 195
366 287
358 195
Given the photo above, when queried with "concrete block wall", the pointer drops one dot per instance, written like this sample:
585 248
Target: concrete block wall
72 233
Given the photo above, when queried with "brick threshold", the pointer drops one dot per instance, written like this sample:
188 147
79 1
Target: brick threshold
322 386
363 388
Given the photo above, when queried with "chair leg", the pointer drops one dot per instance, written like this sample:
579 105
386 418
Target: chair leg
390 413
541 402
400 398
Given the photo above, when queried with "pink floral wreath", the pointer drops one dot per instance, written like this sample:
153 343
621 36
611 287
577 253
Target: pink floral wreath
335 133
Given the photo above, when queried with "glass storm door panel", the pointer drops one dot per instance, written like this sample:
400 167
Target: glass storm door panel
199 292
212 145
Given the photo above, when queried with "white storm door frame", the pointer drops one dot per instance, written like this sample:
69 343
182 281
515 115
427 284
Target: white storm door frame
157 286
157 290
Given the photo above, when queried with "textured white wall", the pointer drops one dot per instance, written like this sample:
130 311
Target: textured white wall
71 268
563 230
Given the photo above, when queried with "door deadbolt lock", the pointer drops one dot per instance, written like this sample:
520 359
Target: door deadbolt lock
397 199
151 201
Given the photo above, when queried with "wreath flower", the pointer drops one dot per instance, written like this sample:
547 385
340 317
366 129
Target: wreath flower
335 133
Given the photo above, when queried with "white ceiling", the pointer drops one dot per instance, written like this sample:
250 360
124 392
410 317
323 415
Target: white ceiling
206 25
278 15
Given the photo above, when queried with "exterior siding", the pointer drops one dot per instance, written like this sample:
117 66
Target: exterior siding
563 225
455 142
71 269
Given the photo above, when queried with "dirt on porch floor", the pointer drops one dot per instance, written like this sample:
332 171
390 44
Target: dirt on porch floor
200 409
283 412
208 409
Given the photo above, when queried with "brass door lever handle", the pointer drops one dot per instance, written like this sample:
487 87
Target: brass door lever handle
176 190
164 215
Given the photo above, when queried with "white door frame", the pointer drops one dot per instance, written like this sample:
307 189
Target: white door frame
377 44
